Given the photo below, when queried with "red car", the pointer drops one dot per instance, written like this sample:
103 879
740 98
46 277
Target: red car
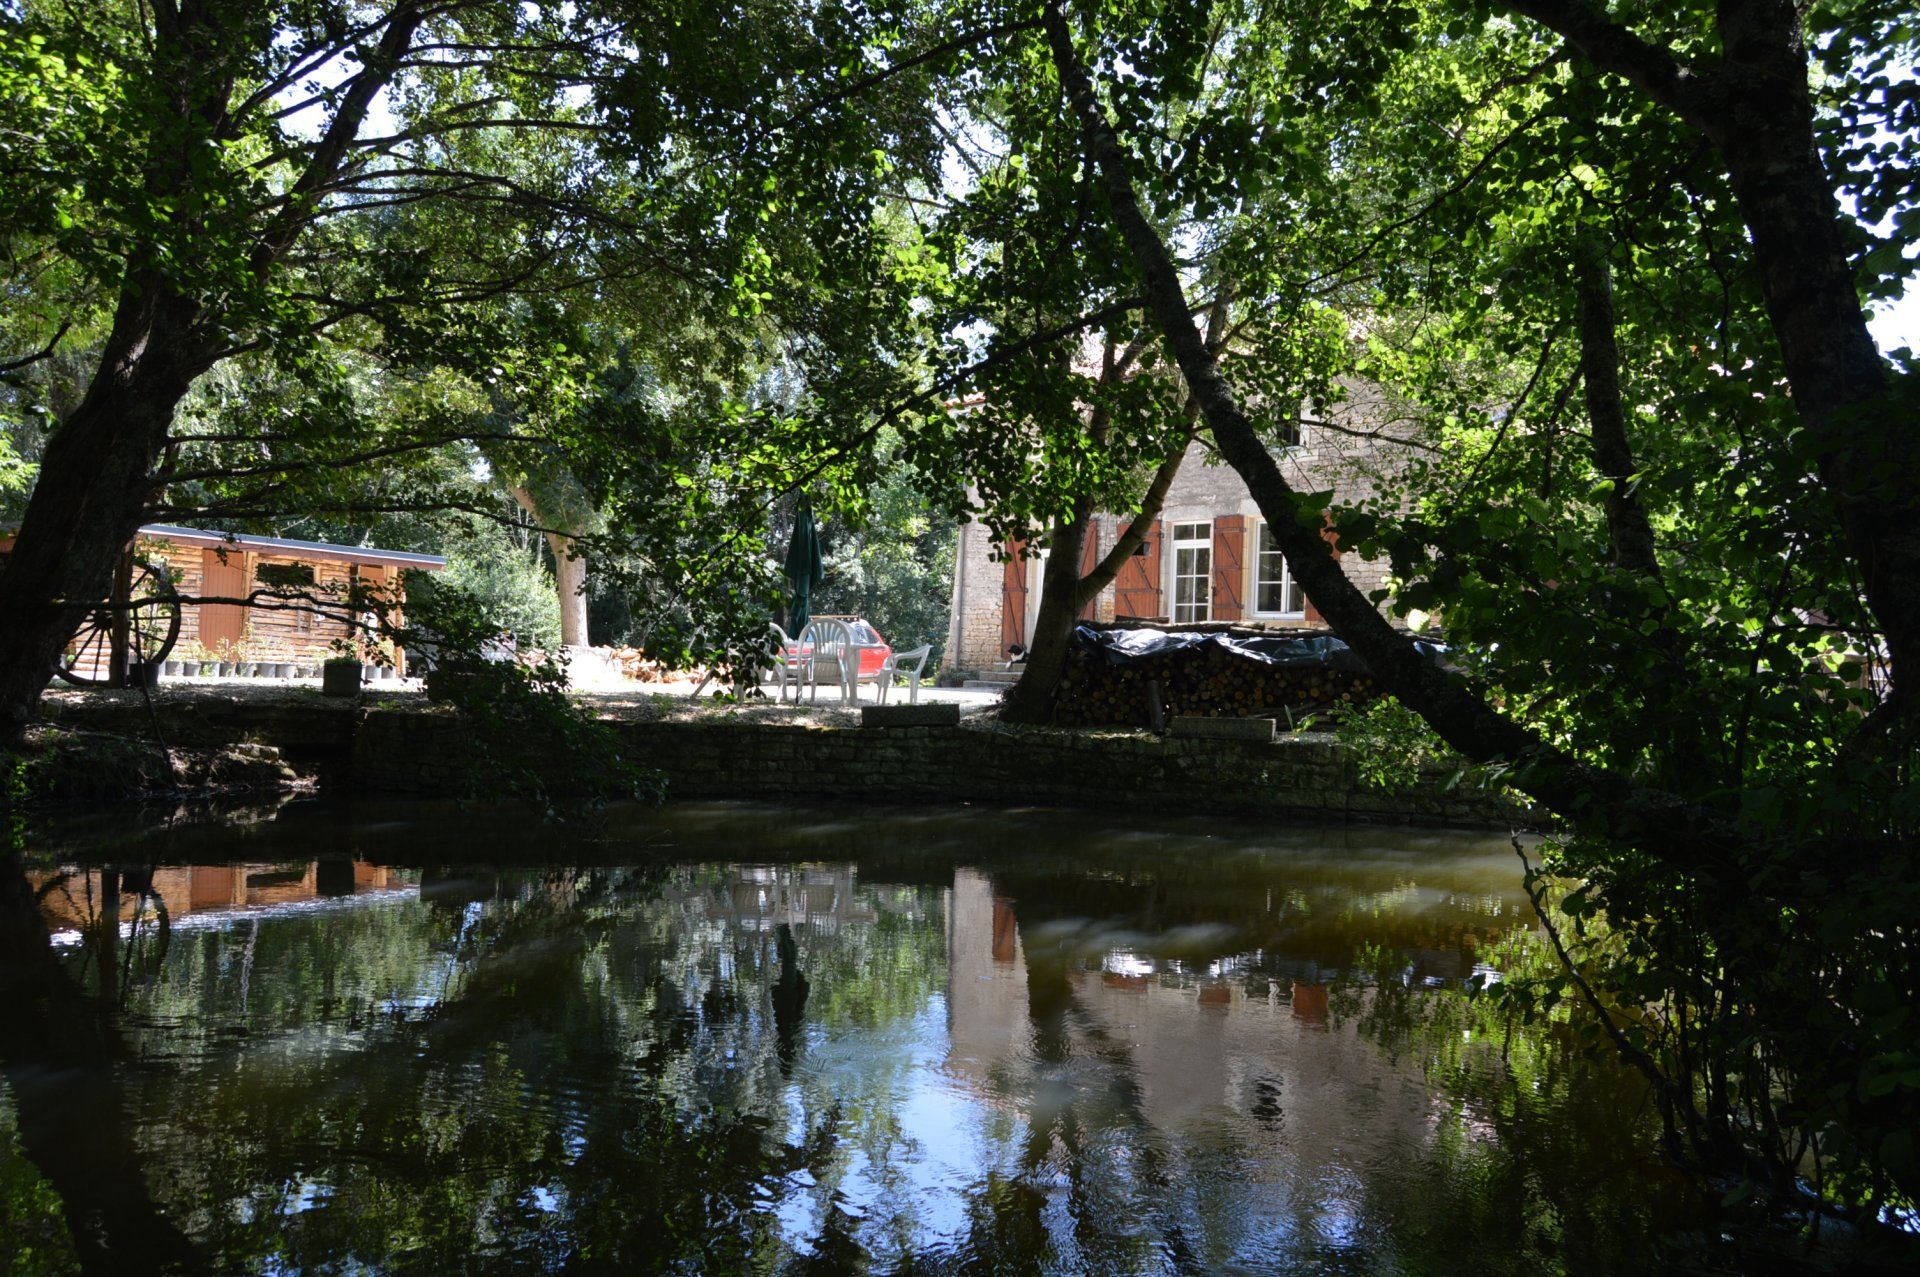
874 650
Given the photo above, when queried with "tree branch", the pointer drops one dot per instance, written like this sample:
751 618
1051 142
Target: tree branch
965 39
1590 797
1681 87
45 352
341 131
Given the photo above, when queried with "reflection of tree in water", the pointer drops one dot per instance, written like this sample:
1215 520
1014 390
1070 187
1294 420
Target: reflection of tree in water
60 1054
629 1068
1553 1139
789 999
592 1034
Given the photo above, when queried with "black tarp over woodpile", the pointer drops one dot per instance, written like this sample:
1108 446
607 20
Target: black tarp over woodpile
1113 674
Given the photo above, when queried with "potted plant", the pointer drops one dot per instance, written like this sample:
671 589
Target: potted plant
343 671
192 656
245 663
378 656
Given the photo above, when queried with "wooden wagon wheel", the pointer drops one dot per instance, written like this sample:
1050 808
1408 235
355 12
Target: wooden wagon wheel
153 626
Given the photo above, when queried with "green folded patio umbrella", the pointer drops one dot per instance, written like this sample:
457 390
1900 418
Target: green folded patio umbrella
804 571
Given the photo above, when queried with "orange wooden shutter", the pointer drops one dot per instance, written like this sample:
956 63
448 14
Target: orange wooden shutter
1229 567
223 623
1089 560
1136 591
1013 598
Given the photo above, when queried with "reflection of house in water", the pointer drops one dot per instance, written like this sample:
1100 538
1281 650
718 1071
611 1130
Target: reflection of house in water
1198 1048
986 981
73 899
820 897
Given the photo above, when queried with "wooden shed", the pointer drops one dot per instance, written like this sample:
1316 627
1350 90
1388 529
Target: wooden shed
232 565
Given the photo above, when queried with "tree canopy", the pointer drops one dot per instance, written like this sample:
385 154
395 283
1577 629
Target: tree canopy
1609 261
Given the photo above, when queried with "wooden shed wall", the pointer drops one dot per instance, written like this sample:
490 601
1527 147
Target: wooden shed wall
268 633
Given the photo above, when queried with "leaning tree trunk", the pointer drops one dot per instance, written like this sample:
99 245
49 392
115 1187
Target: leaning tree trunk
96 475
93 488
1661 824
1064 593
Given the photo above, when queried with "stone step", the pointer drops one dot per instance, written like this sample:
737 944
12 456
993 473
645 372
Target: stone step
987 684
1003 678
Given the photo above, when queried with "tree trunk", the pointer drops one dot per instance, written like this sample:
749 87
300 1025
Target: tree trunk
1031 699
1869 460
570 579
569 570
94 484
1754 105
1629 534
1064 593
1590 797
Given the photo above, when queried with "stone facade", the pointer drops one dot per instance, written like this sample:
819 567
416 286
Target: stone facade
1349 449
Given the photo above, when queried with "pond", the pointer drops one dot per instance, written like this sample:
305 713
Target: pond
740 1038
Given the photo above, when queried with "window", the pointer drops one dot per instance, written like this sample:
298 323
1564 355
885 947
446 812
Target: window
1192 571
1275 592
284 576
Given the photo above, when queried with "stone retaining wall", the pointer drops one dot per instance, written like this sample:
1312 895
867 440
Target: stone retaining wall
1300 777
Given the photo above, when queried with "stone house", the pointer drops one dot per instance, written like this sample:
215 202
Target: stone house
1207 557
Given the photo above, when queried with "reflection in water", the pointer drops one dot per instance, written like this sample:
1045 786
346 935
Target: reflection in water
729 1038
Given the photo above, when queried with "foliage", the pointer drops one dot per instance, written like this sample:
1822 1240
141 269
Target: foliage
33 1238
1458 187
1388 744
529 740
501 573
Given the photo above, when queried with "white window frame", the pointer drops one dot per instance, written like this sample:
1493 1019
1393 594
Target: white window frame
1202 547
1289 586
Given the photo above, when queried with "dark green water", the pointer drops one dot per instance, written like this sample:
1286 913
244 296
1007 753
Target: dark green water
739 1039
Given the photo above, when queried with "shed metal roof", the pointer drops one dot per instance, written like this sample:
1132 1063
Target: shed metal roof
320 549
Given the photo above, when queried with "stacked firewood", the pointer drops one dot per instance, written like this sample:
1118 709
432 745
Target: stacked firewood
636 665
1212 682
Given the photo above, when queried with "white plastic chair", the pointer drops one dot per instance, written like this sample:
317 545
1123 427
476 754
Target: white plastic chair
826 647
910 664
786 661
